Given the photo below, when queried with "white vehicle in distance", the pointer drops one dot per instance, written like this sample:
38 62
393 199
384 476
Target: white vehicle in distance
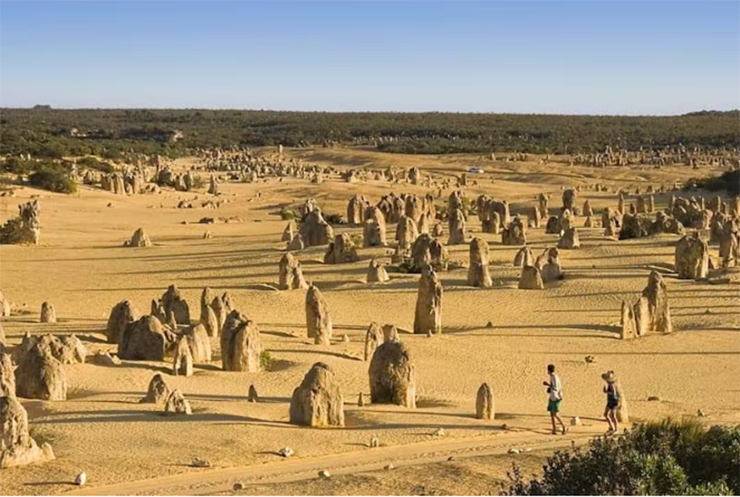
476 170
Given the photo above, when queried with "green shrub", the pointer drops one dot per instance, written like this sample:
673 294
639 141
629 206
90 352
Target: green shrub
53 178
666 458
265 360
288 214
97 164
17 165
335 219
729 181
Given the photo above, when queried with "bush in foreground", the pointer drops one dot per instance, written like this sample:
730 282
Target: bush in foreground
666 458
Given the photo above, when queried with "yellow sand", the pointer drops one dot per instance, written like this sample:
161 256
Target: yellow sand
82 268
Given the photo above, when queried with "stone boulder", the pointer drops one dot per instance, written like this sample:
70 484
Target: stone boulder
139 239
478 274
144 340
318 320
123 314
158 391
318 401
376 272
428 316
39 375
692 258
17 448
531 279
241 346
484 406
392 379
341 250
290 273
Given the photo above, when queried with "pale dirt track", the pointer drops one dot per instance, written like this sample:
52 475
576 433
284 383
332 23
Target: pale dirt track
101 429
215 480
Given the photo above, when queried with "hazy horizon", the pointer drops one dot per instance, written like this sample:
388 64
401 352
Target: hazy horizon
556 58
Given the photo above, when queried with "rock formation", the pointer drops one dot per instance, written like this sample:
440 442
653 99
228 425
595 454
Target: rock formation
376 272
569 239
4 306
39 375
373 339
315 230
143 340
241 347
478 274
484 406
692 258
139 239
406 233
392 375
318 401
199 343
530 279
17 448
290 273
515 233
176 404
318 320
182 364
341 250
158 391
208 317
173 302
48 313
428 317
457 227
7 374
429 251
524 257
373 230
122 314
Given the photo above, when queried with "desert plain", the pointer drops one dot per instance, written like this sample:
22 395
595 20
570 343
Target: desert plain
501 335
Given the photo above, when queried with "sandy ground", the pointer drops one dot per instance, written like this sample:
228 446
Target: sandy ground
82 268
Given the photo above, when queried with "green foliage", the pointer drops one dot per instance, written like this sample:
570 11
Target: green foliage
335 219
665 458
17 165
10 232
287 214
97 164
54 178
729 181
109 133
266 360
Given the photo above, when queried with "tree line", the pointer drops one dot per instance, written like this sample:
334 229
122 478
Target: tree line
53 133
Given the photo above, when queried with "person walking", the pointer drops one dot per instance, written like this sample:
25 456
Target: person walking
555 397
612 400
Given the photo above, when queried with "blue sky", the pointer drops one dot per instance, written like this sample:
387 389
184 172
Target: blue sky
584 57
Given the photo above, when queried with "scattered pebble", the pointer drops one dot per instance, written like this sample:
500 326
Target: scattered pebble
374 442
513 451
590 359
575 421
440 432
238 486
653 398
286 452
81 479
701 413
324 474
489 325
200 463
389 467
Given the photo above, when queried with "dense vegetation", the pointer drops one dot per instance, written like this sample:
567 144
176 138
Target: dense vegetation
665 458
45 132
729 182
